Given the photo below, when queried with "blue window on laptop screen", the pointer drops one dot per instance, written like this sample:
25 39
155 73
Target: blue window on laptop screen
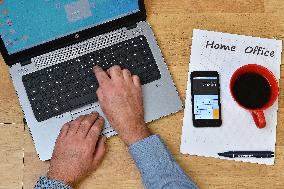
27 23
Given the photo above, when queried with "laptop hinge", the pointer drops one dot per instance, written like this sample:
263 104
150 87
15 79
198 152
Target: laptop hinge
131 26
26 63
128 26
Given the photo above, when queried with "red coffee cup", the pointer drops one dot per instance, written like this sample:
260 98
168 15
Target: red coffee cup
257 114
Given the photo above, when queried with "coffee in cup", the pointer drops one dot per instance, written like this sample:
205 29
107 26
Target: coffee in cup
255 89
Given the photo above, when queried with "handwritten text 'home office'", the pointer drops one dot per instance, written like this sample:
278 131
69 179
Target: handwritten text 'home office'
257 50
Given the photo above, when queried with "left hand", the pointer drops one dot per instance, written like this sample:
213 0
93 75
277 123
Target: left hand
79 149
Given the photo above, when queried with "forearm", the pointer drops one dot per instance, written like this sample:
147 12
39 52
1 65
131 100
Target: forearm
44 182
157 166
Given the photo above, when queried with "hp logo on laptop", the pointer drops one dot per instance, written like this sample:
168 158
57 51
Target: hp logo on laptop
77 36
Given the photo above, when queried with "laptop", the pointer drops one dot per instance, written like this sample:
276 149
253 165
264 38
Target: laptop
52 46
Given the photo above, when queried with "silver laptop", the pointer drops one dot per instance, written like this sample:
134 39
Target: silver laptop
52 46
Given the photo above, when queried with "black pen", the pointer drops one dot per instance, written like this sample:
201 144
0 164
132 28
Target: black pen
247 154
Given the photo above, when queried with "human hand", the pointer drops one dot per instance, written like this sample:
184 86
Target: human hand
120 97
79 149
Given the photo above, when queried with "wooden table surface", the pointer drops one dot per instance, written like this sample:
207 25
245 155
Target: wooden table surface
172 22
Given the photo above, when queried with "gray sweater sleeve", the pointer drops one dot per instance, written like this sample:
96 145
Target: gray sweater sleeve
46 183
157 167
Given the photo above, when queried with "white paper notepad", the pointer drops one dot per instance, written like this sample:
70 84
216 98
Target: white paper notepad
238 131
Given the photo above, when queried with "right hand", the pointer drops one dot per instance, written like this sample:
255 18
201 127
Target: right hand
120 97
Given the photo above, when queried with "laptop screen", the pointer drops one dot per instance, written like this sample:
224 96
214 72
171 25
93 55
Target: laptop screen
25 24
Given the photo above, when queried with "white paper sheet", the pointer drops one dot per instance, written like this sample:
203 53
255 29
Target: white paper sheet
238 131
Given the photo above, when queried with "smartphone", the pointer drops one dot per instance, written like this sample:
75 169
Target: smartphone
205 96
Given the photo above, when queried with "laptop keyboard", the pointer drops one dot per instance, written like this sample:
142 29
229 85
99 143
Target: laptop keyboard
69 85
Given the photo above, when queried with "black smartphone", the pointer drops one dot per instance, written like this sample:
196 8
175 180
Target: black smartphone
205 96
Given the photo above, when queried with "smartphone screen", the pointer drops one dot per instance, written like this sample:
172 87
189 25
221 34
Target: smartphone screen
206 99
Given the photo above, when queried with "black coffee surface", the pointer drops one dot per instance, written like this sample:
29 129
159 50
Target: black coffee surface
252 90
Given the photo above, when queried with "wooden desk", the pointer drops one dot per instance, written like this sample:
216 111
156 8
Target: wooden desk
172 22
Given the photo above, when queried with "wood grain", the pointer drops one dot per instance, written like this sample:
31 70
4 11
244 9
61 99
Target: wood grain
172 22
9 104
204 6
33 167
11 156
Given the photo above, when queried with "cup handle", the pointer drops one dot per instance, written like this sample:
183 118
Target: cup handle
259 119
